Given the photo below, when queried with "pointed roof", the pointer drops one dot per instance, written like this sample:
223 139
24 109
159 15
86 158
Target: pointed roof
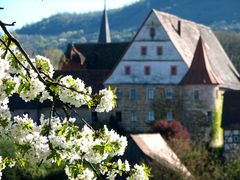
104 35
200 71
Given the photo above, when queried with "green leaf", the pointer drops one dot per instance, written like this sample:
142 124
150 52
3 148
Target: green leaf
99 149
59 161
54 89
108 148
4 122
58 78
20 88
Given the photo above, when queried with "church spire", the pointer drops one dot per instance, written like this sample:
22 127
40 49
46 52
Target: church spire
104 35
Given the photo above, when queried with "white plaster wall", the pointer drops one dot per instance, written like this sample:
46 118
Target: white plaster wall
169 51
160 72
143 34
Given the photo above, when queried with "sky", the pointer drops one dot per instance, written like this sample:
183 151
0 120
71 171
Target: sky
29 11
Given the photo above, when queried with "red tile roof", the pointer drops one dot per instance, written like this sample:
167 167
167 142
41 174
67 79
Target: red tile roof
200 71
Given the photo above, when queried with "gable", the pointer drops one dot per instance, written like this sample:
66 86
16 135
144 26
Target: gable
144 32
160 64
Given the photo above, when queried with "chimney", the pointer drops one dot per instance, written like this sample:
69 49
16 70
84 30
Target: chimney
179 27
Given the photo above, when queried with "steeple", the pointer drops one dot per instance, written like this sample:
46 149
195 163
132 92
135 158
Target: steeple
104 34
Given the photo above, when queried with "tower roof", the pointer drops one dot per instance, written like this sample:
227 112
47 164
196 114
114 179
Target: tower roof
200 71
104 34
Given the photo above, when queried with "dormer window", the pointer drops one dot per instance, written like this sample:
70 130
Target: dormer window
127 70
159 50
147 70
143 50
152 32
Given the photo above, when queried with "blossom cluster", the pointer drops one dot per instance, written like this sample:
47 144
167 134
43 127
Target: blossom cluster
2 166
107 102
4 163
73 91
139 173
65 143
85 153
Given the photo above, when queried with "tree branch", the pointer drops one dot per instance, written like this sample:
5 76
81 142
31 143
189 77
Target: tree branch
15 41
83 120
7 46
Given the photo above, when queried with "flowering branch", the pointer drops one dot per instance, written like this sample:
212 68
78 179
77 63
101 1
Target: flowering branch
85 153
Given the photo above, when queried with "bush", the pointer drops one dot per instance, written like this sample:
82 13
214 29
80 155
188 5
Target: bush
170 129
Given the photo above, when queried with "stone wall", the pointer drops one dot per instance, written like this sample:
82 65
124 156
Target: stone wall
231 141
142 105
198 112
191 112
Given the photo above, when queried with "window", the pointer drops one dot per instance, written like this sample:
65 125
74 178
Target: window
143 50
147 70
152 32
173 70
196 95
119 95
151 116
169 116
118 116
150 94
133 116
168 93
209 116
159 50
127 70
133 94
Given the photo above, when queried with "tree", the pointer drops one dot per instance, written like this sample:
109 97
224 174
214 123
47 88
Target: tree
231 44
85 153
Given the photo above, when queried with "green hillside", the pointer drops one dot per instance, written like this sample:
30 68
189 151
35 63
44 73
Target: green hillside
218 13
58 30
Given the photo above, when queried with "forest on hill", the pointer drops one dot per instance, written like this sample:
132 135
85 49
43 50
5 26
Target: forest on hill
54 33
